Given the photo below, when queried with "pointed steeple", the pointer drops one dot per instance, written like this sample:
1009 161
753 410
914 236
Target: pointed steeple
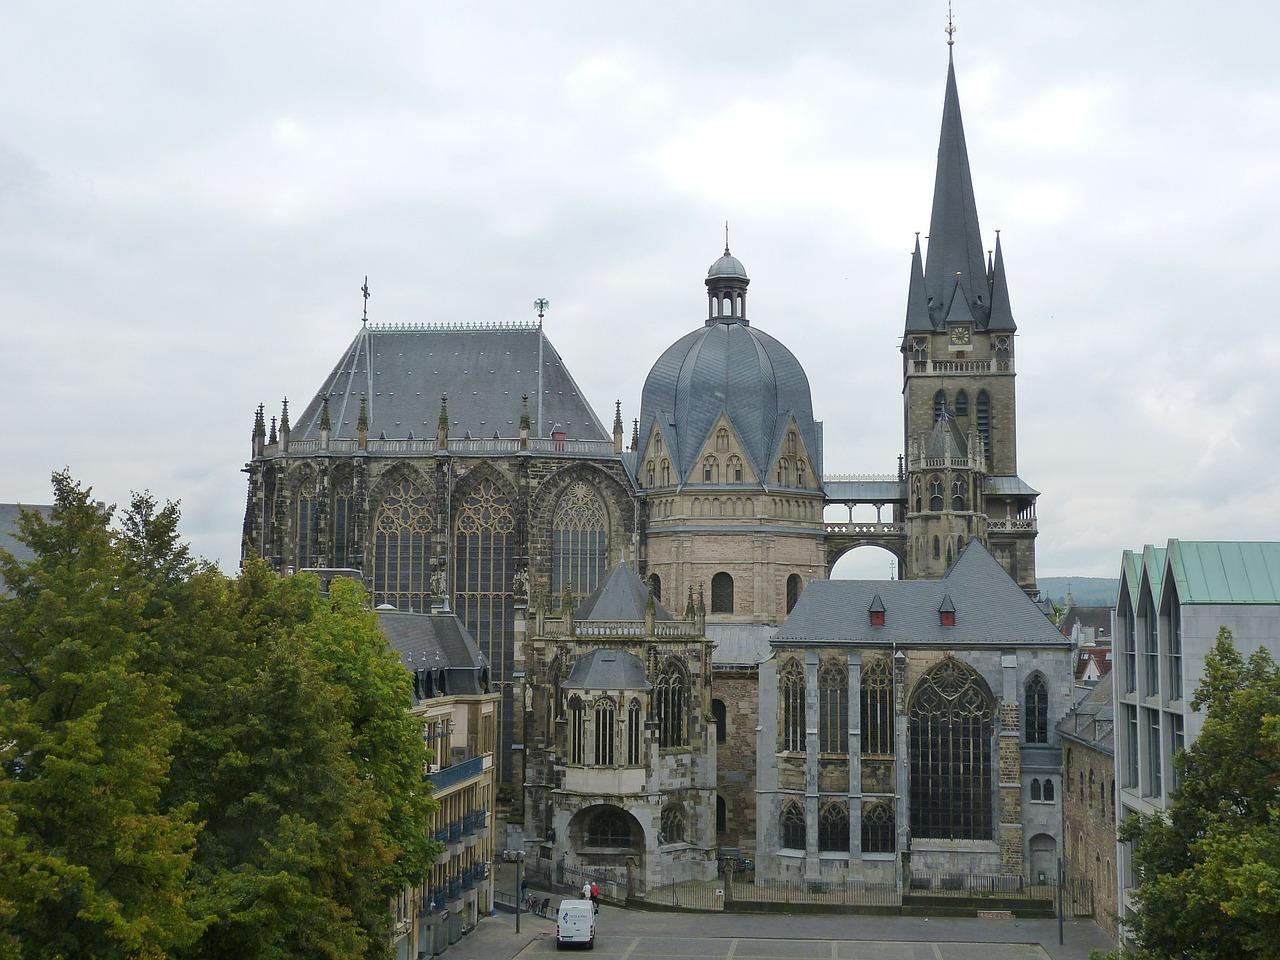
617 426
273 437
1001 312
284 426
258 428
635 434
958 310
917 300
955 242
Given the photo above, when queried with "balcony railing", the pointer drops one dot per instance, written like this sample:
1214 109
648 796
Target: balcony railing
456 773
1009 526
455 888
455 832
866 529
459 446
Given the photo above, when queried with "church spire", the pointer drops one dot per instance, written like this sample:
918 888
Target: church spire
955 242
917 303
1001 312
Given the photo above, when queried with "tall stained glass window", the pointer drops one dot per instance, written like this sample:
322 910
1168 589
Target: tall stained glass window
791 695
1037 710
483 580
343 532
833 708
402 547
833 826
579 541
951 727
877 708
672 705
308 519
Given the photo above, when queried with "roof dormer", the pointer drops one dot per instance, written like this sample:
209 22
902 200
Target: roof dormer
876 610
947 612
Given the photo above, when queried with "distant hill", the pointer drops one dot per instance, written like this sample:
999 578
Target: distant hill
1087 591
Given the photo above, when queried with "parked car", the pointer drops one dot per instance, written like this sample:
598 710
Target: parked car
576 923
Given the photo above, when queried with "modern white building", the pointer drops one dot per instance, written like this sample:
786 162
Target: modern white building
1171 605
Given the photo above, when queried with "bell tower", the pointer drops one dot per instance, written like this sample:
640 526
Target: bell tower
959 401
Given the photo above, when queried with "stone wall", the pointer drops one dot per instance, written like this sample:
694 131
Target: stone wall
736 758
1089 819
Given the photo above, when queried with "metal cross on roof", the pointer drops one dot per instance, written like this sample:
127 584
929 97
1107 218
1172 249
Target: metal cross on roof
364 291
951 27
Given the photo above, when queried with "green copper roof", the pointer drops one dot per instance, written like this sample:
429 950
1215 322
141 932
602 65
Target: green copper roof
1153 567
1131 574
1207 571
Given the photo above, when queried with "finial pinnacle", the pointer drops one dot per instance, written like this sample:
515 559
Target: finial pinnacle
541 305
364 292
951 26
726 238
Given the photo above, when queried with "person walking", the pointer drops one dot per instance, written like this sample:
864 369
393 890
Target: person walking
586 891
595 896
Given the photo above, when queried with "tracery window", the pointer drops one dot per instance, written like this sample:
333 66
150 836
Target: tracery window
722 439
782 473
609 827
649 474
951 726
1036 709
483 582
791 441
939 405
722 593
710 470
577 729
402 547
343 505
800 471
833 707
579 541
791 696
793 825
935 494
666 473
672 698
1002 348
962 404
919 349
605 732
634 729
833 827
878 830
735 468
957 494
673 825
794 585
984 421
308 520
877 708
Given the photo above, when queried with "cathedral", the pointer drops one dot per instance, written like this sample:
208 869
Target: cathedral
676 677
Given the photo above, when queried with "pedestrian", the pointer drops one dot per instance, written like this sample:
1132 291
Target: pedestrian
586 890
595 896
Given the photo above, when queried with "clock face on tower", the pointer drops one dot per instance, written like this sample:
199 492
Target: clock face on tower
960 335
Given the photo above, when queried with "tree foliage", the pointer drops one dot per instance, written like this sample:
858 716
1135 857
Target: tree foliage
196 766
1209 869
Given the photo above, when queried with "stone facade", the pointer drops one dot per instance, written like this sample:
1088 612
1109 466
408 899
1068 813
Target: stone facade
1089 824
735 691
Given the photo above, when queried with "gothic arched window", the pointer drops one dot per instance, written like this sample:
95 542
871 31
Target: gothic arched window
735 469
1002 348
962 404
782 472
655 584
577 729
722 815
935 494
579 541
673 824
791 441
722 593
609 827
791 695
878 833
957 494
721 718
939 405
1035 789
794 586
877 708
793 825
1048 791
984 421
307 517
937 548
951 727
402 547
833 707
1036 705
833 827
800 473
666 473
343 505
634 731
483 582
722 439
672 693
649 477
710 470
606 714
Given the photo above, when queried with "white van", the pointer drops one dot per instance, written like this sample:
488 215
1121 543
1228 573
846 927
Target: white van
576 923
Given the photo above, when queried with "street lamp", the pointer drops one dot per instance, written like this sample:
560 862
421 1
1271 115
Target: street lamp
519 864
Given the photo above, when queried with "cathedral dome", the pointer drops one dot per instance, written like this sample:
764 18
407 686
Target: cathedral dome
727 266
730 368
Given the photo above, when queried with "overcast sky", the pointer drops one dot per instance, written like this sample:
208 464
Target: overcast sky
191 195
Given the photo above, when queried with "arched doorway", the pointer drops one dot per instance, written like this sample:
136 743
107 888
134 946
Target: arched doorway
607 840
1044 858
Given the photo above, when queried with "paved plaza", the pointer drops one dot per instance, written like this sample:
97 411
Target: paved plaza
719 948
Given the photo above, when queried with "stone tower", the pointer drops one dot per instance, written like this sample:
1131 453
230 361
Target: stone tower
959 402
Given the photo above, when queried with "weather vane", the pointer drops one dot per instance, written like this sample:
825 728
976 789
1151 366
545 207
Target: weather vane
541 305
951 27
364 291
726 236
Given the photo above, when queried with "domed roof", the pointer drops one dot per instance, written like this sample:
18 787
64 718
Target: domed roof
737 370
727 266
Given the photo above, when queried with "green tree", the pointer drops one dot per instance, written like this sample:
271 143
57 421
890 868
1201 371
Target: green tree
1209 869
94 862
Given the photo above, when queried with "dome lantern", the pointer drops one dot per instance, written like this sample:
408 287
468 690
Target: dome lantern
727 288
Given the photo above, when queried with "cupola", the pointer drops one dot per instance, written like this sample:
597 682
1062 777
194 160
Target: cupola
727 282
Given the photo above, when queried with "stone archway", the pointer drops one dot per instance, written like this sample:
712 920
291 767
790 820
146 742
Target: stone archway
607 840
1044 858
838 548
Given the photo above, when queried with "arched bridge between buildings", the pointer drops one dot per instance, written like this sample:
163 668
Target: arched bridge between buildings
840 538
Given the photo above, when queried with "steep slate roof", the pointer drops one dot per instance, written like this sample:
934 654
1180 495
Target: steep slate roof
434 642
484 370
990 609
622 595
945 439
1099 618
1208 571
1092 720
605 669
740 644
1005 486
733 369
